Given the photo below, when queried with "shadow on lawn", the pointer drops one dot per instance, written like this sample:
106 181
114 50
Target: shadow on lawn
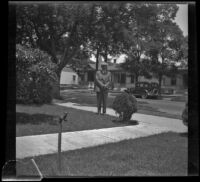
130 122
24 118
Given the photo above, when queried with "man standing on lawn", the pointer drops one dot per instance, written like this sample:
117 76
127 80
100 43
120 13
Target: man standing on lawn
102 83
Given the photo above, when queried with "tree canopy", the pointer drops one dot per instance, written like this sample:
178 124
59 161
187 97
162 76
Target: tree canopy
68 32
58 29
158 38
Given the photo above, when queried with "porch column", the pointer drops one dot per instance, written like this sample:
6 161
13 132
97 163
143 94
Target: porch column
86 77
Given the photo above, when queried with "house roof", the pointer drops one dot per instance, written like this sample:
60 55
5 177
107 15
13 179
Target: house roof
111 66
67 69
92 66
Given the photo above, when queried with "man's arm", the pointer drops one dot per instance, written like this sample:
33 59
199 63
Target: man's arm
98 81
109 78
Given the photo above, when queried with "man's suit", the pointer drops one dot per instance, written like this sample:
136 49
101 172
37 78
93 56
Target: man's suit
102 83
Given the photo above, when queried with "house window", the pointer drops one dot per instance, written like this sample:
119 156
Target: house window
132 78
173 81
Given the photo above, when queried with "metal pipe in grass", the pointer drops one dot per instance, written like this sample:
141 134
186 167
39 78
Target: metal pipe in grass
61 119
36 166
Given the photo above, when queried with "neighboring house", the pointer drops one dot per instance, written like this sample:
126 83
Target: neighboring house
121 78
178 83
68 77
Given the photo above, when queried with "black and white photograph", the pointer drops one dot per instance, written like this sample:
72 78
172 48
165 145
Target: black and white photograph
101 89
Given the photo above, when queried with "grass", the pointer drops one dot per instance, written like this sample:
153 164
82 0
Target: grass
89 99
158 155
35 120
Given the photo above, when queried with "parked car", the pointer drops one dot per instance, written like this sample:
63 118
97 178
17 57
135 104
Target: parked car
185 114
144 90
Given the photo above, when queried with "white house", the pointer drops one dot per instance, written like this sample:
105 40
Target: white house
68 77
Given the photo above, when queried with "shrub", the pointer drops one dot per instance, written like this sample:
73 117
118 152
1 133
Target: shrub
125 105
185 114
35 76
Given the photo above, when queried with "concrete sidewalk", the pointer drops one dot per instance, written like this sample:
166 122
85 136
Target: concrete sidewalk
30 146
175 125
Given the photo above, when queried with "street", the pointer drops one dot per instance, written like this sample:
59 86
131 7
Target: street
171 107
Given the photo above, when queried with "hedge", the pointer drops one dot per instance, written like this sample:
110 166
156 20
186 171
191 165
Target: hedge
35 76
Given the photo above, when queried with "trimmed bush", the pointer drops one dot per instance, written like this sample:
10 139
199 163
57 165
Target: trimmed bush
125 105
35 74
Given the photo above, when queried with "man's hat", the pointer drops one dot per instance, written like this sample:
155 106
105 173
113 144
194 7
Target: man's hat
104 64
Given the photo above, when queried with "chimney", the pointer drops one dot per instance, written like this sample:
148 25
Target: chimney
115 60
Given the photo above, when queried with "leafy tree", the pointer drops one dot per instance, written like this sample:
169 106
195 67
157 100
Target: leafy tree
80 62
142 26
58 29
184 53
155 35
112 29
106 24
164 47
139 68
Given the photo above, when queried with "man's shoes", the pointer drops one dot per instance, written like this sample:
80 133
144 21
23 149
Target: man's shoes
98 113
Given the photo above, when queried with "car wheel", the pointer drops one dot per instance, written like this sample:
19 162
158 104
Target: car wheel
144 96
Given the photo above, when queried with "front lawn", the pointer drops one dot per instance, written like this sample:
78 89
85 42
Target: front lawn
88 98
35 120
158 155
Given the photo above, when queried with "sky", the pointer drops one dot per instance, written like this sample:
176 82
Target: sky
181 19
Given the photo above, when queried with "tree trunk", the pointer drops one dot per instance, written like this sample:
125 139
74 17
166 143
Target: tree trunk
138 71
106 55
97 60
56 87
159 84
106 58
136 78
64 60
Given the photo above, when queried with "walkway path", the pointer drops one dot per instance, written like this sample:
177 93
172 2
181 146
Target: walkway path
175 125
30 146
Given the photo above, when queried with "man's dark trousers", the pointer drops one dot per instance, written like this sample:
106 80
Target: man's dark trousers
102 98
